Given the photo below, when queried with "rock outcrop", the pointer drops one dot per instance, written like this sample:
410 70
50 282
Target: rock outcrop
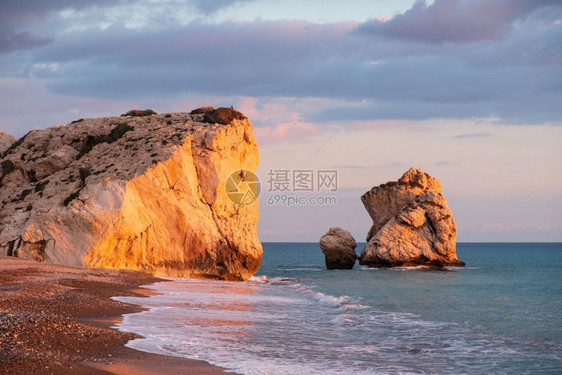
412 224
6 141
144 192
338 246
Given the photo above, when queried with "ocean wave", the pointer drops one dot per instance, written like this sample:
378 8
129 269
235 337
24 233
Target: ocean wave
454 268
323 298
410 268
331 300
311 269
263 279
365 268
413 268
354 306
344 319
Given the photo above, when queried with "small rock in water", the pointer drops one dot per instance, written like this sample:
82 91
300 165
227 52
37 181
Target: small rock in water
338 246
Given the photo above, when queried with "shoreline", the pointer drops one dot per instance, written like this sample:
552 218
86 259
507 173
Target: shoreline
57 320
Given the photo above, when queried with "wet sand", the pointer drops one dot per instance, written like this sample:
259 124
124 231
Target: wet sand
56 320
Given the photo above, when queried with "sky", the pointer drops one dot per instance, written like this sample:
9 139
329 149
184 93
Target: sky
468 90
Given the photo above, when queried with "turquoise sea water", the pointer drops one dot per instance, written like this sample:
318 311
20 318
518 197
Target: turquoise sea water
502 313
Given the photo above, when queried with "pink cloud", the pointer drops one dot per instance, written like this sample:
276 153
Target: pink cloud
383 18
285 132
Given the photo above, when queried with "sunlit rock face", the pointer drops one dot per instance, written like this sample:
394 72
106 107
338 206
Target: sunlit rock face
6 141
144 193
412 224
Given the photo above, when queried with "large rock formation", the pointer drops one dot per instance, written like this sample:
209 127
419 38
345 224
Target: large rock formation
338 246
412 224
6 141
144 192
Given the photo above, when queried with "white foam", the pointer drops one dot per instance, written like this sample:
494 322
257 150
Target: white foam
325 299
258 279
331 300
366 268
343 319
270 280
308 269
454 268
408 268
355 306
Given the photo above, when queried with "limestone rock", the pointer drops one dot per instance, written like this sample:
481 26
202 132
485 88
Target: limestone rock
144 193
6 141
412 224
385 201
338 246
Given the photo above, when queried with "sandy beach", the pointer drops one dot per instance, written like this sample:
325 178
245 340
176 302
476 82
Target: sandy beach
56 320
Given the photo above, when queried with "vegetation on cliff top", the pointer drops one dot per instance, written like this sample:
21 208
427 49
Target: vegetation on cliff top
139 112
221 115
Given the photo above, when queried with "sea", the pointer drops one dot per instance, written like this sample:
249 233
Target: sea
501 314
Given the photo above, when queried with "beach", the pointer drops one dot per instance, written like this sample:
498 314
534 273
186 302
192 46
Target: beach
57 320
293 317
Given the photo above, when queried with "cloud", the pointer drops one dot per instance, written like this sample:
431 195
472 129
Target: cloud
18 13
285 132
444 163
253 59
301 59
473 135
11 40
209 7
514 79
15 15
457 21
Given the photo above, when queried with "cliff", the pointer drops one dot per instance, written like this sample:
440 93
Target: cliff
412 224
133 192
